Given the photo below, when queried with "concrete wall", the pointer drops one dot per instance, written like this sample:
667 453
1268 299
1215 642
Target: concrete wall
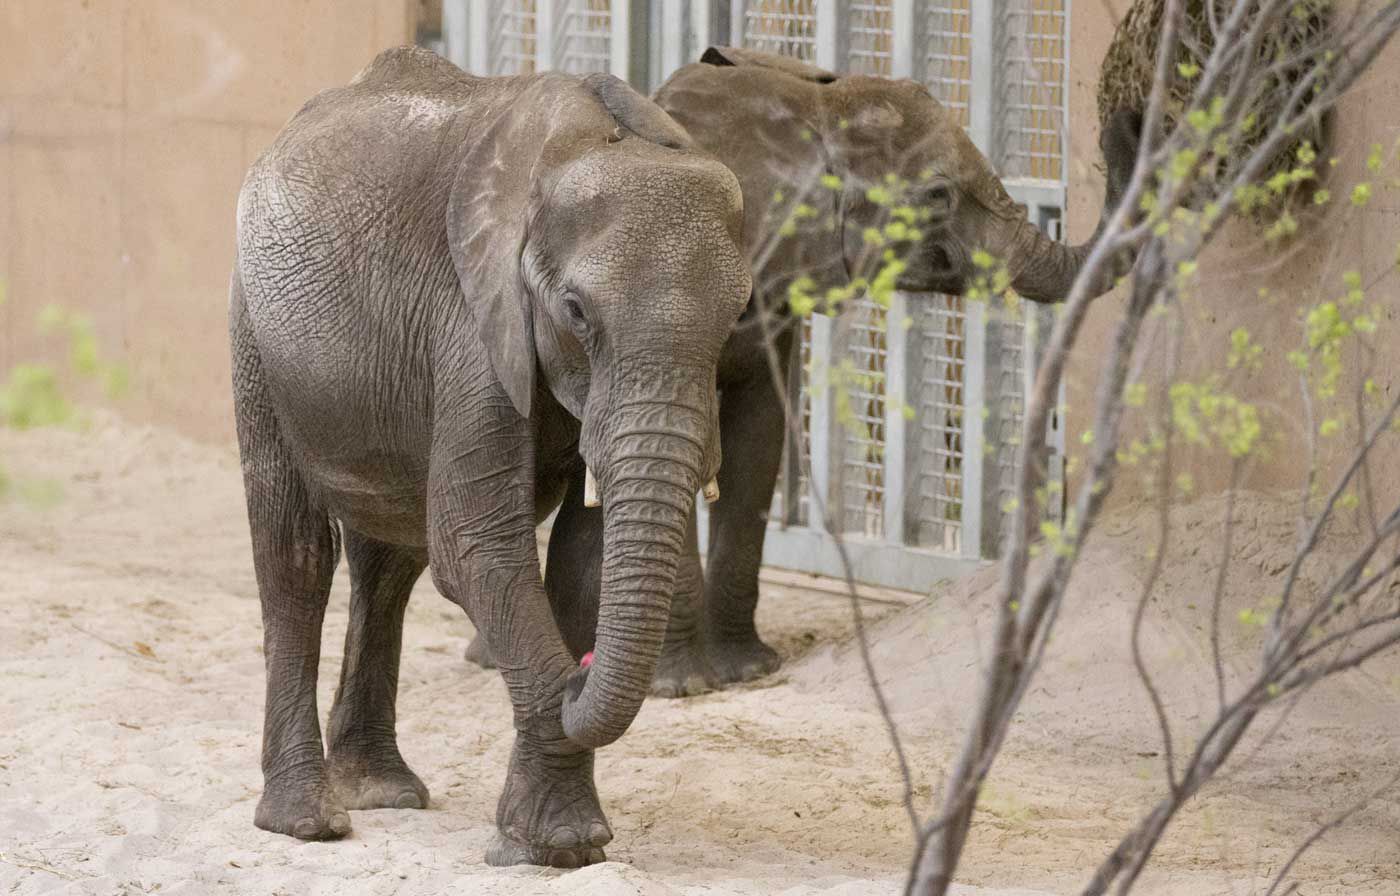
1297 275
125 130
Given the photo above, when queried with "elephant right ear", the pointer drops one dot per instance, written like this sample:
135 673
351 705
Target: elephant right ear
786 64
486 220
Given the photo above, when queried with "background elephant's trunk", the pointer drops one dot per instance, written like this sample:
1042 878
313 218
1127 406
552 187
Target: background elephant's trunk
1048 269
647 493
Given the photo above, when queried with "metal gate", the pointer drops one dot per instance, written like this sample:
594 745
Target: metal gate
914 497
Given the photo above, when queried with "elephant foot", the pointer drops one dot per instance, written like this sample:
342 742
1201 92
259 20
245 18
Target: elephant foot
683 670
742 659
305 811
479 652
375 780
549 812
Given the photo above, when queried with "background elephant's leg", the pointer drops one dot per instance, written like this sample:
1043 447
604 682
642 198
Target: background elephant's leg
752 431
573 570
295 550
366 769
573 579
549 812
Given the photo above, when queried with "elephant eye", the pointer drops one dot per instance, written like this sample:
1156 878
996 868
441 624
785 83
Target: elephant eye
938 200
573 306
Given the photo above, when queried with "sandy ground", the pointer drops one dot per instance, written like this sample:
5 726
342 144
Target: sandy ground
131 690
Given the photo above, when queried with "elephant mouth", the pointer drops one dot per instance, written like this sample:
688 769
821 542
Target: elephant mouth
933 270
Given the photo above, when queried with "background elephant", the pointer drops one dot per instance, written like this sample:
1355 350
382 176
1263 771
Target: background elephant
447 290
781 125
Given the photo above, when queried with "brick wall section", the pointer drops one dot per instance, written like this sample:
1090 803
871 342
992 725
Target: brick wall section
1234 268
125 129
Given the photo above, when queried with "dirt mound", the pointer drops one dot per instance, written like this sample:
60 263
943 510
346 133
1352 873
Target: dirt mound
132 712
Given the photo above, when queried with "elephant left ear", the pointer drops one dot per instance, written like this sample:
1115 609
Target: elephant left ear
486 220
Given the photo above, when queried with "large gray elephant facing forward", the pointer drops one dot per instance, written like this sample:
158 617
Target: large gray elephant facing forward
447 290
782 125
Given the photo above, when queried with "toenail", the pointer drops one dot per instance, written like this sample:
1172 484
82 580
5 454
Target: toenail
563 838
598 834
564 858
340 823
408 800
306 829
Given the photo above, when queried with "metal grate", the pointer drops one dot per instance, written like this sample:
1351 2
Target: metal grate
583 39
871 40
1004 435
941 334
862 392
1035 75
513 38
781 26
947 61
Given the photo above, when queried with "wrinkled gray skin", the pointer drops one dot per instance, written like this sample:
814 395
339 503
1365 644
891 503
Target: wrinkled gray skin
780 124
447 290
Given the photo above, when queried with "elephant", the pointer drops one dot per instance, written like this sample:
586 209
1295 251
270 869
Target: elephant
450 295
782 125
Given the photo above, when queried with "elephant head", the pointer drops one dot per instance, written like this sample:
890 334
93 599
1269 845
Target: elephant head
782 125
604 267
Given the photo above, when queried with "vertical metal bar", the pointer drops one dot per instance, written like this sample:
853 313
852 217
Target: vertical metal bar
456 33
620 38
899 472
832 34
825 441
704 16
737 32
719 28
976 483
673 43
629 42
905 24
544 34
479 48
985 98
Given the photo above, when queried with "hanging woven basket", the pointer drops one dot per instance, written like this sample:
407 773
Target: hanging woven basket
1125 79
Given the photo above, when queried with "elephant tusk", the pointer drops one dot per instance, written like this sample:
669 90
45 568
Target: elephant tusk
590 489
711 491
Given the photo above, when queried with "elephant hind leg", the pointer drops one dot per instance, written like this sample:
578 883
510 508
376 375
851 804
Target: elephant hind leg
295 550
365 767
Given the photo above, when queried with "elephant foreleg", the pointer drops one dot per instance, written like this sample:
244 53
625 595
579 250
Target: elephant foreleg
365 766
482 544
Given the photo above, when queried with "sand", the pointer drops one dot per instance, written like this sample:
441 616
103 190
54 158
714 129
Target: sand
130 714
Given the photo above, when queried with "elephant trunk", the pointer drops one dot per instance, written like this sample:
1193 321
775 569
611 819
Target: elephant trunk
647 491
1048 269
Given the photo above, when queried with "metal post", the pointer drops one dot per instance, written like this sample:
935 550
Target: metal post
832 34
986 94
456 33
629 42
673 44
737 32
976 483
901 355
544 34
905 38
825 431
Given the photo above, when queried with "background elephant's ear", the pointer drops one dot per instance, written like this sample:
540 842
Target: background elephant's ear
636 113
486 219
786 64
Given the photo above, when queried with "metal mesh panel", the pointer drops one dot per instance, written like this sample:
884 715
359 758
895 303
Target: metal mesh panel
583 40
1004 436
781 26
512 45
941 324
863 419
947 62
871 26
1035 68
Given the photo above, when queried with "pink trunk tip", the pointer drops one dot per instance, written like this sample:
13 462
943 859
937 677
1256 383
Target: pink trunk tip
586 660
